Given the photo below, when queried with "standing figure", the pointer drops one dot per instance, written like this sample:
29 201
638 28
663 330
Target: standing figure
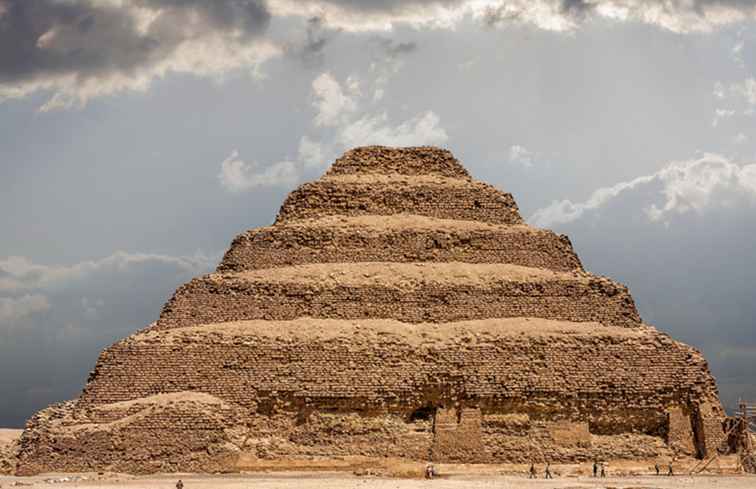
547 475
532 474
603 469
669 469
429 472
180 484
656 466
595 468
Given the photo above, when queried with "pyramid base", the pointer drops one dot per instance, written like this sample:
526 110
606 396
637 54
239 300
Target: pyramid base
498 391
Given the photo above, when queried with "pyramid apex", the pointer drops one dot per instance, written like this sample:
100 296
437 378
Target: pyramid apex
413 160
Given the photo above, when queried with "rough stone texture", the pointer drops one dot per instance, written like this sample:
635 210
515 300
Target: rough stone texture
399 238
442 198
437 292
397 308
8 450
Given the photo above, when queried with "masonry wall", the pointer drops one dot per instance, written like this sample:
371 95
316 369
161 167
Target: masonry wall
480 398
423 160
620 382
221 299
471 201
281 245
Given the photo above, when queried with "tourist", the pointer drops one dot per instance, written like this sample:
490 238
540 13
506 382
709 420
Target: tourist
595 468
180 484
532 472
429 471
603 469
656 466
547 475
669 469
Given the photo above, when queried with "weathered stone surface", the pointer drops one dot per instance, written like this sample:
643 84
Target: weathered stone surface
396 308
399 238
362 195
413 292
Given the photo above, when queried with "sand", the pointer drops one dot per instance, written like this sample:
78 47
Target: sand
384 273
329 480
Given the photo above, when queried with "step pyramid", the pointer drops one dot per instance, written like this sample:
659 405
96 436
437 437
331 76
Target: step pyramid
396 308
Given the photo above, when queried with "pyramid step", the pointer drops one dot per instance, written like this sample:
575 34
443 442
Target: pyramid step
410 292
397 238
421 160
432 196
519 364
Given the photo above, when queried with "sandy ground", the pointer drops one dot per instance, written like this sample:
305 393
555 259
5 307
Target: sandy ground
329 480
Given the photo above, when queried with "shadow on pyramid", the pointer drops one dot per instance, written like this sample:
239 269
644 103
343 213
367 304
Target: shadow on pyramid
396 308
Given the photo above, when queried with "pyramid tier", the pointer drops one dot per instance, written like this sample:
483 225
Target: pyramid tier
410 292
501 390
432 196
397 238
420 160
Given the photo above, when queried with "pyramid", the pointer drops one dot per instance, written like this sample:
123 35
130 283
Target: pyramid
396 308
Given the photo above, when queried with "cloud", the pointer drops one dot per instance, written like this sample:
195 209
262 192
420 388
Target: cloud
18 273
80 49
311 153
331 101
692 185
681 16
12 309
55 319
345 117
377 130
720 115
237 176
520 155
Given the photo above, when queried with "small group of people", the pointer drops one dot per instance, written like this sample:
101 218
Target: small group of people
546 475
599 468
430 471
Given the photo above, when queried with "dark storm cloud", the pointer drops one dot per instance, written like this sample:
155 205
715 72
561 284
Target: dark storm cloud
54 320
42 40
311 50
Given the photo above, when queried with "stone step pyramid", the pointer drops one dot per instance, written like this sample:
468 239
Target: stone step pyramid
396 308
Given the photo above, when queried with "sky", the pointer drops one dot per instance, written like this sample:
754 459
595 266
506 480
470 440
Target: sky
138 137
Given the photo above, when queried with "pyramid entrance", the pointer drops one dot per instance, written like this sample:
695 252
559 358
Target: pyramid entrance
396 308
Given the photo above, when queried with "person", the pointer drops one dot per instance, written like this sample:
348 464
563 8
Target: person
532 472
180 484
429 472
547 475
656 466
603 469
669 469
595 468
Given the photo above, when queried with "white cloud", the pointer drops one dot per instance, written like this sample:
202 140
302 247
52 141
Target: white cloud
18 273
237 175
720 115
555 15
331 102
12 309
311 153
691 185
344 119
376 129
520 155
126 46
745 89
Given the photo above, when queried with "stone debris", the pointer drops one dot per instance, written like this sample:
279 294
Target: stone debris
397 308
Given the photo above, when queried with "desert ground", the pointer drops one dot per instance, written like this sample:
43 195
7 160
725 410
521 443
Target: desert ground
361 473
339 480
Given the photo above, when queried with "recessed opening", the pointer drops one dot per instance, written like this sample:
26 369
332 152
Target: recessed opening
424 413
